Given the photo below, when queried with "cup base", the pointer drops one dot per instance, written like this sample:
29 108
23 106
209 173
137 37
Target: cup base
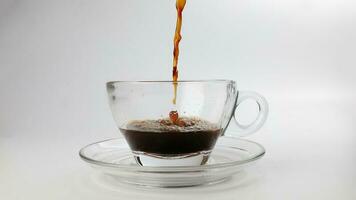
154 160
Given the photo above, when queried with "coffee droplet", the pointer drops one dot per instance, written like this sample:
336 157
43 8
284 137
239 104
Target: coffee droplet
173 116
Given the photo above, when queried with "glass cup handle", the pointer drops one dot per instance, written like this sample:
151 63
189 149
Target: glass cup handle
262 114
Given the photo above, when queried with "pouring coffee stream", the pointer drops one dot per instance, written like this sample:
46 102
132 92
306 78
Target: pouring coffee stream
173 115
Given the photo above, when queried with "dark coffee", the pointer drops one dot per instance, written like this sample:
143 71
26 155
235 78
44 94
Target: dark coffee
163 137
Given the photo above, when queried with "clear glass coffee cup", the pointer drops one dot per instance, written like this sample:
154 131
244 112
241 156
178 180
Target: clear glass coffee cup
204 109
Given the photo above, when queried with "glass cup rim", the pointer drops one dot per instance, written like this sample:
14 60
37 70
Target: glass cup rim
171 81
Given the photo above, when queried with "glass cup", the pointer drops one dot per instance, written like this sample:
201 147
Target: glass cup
212 101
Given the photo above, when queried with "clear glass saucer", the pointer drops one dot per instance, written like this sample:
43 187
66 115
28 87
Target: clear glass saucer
113 157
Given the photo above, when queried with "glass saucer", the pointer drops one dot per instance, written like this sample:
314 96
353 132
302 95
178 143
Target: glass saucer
113 157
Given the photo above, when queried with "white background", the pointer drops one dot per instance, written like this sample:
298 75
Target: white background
55 57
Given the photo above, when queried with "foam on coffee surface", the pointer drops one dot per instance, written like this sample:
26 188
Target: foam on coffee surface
184 125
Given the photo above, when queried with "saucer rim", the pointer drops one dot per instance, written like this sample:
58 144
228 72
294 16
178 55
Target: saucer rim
260 154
